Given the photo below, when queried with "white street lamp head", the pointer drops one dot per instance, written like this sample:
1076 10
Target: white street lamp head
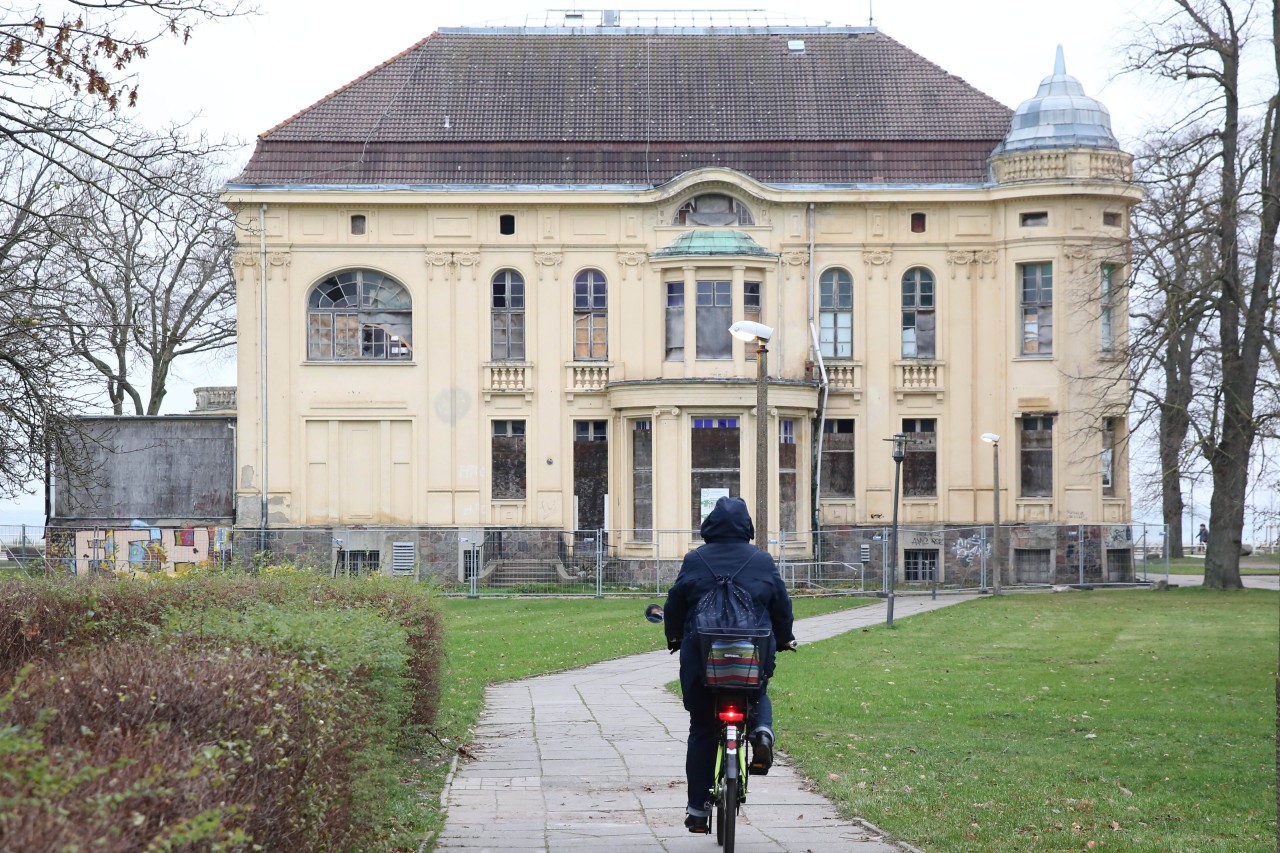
751 331
990 438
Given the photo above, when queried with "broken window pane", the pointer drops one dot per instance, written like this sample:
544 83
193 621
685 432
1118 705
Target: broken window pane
590 316
359 315
713 209
1037 309
917 314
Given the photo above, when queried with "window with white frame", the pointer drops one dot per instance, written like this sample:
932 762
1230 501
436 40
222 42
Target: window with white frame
359 315
675 321
507 312
835 313
918 323
1106 318
713 318
1037 309
590 316
786 474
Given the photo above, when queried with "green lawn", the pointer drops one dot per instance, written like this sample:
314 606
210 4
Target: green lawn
1120 720
488 641
1254 564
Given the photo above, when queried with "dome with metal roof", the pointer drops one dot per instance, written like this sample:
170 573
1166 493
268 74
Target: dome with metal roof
703 242
1061 115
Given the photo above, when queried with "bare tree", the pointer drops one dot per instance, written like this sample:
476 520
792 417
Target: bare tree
66 70
39 387
1201 44
146 277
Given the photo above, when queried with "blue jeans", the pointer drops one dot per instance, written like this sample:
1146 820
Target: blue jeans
704 737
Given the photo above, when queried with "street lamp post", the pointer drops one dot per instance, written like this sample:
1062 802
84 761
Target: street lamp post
994 440
899 453
759 334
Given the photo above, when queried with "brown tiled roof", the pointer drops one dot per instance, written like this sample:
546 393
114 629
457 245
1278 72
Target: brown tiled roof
522 107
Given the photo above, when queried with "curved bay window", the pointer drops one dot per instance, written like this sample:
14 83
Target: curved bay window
359 315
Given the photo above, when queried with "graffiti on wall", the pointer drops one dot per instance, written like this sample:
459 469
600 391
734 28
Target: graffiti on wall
143 550
969 550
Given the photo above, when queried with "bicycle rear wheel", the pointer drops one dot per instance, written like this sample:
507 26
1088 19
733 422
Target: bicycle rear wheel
729 799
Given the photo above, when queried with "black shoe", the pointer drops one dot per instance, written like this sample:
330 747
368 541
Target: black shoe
701 825
761 754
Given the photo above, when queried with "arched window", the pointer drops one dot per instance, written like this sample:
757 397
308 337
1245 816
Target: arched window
507 312
835 313
713 209
918 322
359 315
590 316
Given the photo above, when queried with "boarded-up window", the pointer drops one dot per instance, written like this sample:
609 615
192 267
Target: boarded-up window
1110 426
715 462
837 458
919 564
713 319
590 316
1036 452
359 315
1033 565
918 322
751 308
590 472
642 480
675 321
1037 309
920 465
835 314
786 474
508 316
509 469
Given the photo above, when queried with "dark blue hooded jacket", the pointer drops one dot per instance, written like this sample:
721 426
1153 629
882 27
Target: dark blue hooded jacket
728 532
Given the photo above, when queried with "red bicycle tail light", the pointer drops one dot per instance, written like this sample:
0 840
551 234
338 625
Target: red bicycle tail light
730 714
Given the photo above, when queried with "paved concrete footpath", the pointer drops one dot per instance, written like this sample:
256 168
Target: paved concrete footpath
593 759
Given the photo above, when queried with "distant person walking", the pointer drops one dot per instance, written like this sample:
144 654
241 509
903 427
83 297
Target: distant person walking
1203 536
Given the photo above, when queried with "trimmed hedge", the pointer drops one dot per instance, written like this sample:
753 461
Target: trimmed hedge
208 713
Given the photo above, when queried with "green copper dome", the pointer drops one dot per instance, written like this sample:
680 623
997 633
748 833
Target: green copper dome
702 243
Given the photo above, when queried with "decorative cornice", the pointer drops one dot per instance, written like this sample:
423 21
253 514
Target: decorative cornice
548 259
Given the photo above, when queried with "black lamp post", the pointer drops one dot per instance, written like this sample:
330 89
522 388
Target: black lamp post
899 453
759 334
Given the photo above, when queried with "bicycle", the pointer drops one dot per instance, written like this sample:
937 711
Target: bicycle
729 789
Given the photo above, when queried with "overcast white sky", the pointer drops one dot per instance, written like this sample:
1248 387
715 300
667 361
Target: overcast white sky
240 77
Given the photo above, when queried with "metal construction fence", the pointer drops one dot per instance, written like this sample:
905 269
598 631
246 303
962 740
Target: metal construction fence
546 561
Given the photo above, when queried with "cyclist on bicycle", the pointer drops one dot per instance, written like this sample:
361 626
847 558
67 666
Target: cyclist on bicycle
727 532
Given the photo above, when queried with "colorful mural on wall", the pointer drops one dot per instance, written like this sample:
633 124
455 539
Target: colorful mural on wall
142 550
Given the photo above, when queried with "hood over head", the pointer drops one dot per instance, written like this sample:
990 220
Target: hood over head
728 522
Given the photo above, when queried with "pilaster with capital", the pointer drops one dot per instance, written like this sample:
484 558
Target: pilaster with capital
878 258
